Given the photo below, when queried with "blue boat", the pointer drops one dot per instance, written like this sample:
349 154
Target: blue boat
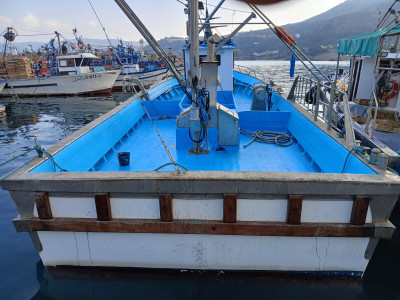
226 175
134 65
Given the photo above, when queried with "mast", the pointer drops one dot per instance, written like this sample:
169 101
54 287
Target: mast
194 75
59 43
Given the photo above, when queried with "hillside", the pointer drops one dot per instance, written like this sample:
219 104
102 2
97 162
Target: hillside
318 36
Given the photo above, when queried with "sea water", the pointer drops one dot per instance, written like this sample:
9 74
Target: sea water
23 276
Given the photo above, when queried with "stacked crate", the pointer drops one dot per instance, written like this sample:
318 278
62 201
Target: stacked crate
16 68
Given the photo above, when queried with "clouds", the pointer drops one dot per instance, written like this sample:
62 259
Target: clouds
162 17
30 24
30 21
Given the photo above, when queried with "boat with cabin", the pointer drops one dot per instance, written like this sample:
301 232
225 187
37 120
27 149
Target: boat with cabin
211 171
72 76
57 73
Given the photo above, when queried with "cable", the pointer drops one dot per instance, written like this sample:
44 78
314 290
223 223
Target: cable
235 10
268 137
35 34
182 3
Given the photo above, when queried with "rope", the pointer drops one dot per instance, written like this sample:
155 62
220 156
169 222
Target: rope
202 103
361 152
15 157
177 170
40 151
167 164
268 137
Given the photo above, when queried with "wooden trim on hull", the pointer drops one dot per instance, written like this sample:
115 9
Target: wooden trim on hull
196 227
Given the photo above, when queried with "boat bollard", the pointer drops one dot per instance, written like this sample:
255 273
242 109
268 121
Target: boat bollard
373 158
383 160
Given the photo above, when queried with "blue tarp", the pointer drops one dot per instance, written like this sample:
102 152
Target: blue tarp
364 44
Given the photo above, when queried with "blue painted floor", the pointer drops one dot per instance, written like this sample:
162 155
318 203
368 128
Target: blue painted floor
147 153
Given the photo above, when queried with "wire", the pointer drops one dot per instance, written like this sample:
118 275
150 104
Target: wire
100 23
235 10
36 34
182 3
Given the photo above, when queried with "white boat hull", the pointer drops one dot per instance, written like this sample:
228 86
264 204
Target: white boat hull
341 255
204 252
90 83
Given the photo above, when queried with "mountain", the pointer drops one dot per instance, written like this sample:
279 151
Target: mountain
318 36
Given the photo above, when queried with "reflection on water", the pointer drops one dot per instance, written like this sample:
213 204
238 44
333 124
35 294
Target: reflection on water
23 276
379 282
193 285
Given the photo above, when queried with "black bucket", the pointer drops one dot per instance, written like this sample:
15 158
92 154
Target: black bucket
123 158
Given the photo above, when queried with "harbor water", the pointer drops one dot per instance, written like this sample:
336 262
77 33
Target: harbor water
23 276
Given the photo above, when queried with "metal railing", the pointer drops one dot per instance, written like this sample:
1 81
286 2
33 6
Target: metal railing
369 114
319 99
250 71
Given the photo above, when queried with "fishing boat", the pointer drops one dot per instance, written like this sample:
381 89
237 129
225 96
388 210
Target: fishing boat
226 175
137 66
57 74
374 87
72 76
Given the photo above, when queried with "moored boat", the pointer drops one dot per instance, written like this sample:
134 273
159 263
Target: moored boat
228 175
72 76
135 66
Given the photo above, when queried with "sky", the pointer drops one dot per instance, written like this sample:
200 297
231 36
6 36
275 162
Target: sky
164 18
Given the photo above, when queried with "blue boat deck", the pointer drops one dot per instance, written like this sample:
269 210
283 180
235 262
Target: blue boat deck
147 154
130 130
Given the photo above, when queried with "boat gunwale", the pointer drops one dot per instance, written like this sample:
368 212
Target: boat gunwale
205 182
382 178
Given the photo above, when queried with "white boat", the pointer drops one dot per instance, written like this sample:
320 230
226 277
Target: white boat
196 191
72 77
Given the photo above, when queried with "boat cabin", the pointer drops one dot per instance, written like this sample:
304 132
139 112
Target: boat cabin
75 64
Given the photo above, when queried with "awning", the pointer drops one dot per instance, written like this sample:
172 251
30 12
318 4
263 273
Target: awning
364 44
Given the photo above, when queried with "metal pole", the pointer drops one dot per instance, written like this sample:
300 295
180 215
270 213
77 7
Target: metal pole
59 43
269 22
252 15
211 15
316 106
333 90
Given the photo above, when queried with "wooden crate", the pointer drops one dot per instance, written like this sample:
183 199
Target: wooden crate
386 121
365 102
16 68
